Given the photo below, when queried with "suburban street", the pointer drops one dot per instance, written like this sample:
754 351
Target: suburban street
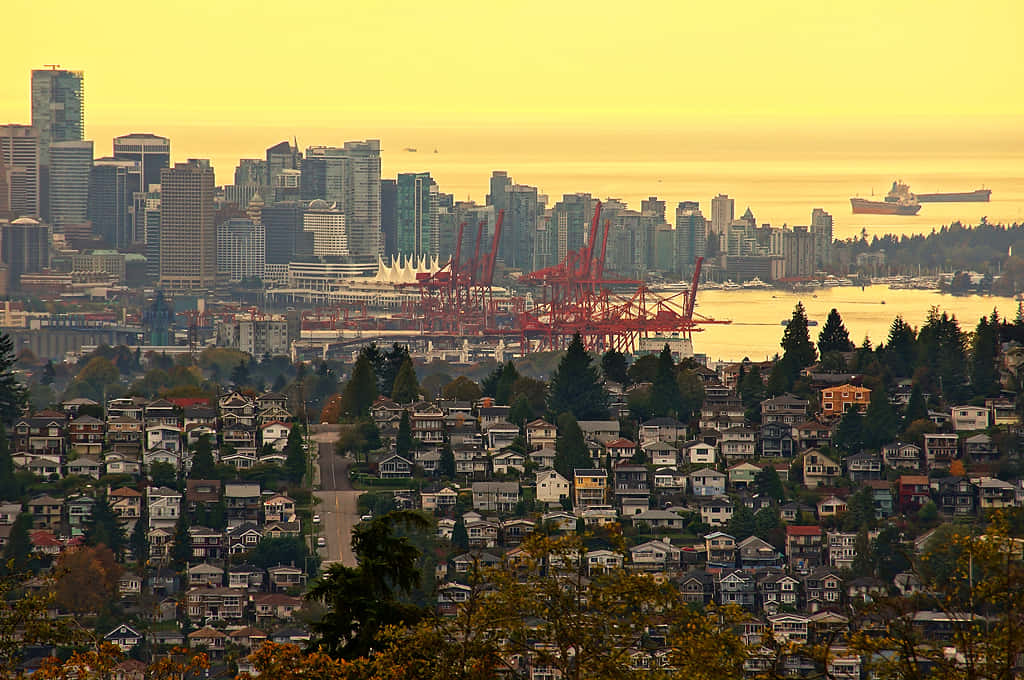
338 509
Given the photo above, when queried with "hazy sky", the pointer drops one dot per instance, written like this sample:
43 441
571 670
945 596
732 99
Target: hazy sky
423 62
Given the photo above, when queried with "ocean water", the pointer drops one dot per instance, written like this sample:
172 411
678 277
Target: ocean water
782 171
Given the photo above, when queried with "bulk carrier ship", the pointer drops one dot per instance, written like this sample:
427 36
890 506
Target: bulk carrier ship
900 190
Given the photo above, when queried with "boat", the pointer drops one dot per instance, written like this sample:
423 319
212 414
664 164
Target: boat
410 149
862 206
810 322
976 196
755 282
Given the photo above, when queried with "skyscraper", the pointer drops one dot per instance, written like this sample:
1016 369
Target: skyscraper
572 216
151 151
323 174
280 157
389 215
327 225
501 184
19 171
821 226
188 235
283 222
361 203
70 166
113 184
146 218
58 115
241 249
417 213
798 249
691 237
723 212
25 247
519 231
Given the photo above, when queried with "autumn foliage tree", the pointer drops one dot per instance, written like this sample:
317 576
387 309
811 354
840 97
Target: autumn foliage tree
87 579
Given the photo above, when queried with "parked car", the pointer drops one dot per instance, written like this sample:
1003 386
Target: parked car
316 519
321 542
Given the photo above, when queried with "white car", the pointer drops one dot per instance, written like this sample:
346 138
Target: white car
366 518
316 519
321 542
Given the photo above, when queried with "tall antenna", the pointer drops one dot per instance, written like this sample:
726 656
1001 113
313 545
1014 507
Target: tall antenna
53 67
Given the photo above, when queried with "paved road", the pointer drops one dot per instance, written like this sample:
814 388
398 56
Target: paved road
338 509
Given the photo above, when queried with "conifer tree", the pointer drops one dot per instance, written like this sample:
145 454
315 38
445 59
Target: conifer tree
18 550
406 388
105 527
181 551
850 433
984 350
570 447
202 459
12 392
575 387
10 489
403 442
900 348
140 535
797 349
882 423
917 409
665 396
460 537
391 364
615 368
361 389
834 336
295 455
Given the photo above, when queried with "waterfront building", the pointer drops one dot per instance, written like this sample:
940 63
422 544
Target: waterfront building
152 152
70 167
188 250
284 232
691 237
19 171
326 223
241 249
113 184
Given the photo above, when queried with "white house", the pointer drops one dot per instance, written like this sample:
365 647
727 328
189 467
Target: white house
966 418
552 487
700 453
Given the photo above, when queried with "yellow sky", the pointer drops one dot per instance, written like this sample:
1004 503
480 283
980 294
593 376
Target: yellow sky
409 62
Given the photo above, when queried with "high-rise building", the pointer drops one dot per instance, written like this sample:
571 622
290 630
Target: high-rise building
188 234
151 151
653 207
146 218
361 203
798 250
327 225
283 222
24 247
691 237
113 184
501 184
821 227
417 213
58 115
280 157
19 171
519 231
241 249
70 166
251 171
324 174
572 217
723 212
389 215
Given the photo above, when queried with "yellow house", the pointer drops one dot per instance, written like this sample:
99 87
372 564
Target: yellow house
590 487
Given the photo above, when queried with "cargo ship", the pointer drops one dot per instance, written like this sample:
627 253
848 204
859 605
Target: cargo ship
906 206
900 190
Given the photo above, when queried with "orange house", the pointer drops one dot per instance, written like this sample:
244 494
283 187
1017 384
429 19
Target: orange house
835 400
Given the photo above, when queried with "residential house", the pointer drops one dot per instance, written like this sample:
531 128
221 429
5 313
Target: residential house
210 640
842 548
164 507
912 491
269 606
495 496
200 493
441 501
72 407
269 400
657 520
160 412
861 467
757 554
206 603
697 587
204 574
812 434
544 458
655 555
662 454
242 501
940 450
500 434
602 561
42 465
720 549
482 533
46 512
275 433
835 400
552 487
777 589
284 576
1004 411
86 434
775 440
239 436
243 538
540 433
823 589
737 587
661 429
881 497
124 434
126 407
785 409
994 494
901 456
738 443
715 512
200 415
700 453
122 464
743 475
957 496
79 508
279 508
515 531
979 448
819 469
160 542
41 433
631 483
236 408
590 487
207 544
669 479
124 637
790 628
707 482
967 418
427 423
166 437
803 548
245 577
86 466
394 467
489 415
831 506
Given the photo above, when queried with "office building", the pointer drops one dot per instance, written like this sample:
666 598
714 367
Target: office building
284 225
58 115
389 216
287 185
188 249
501 185
146 218
691 237
361 203
113 184
324 174
525 208
70 167
24 247
19 171
723 213
281 157
417 213
326 223
152 152
821 227
241 250
572 217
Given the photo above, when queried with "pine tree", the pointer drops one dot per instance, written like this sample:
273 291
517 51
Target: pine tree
391 364
446 466
882 421
521 411
202 460
570 447
295 455
12 392
460 537
10 489
575 387
140 535
403 442
770 484
850 433
834 336
901 348
862 565
751 387
361 389
377 359
19 544
506 382
240 374
105 527
666 399
984 350
742 524
181 551
797 349
615 367
406 388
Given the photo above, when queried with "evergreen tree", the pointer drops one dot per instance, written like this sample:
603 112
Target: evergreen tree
12 392
18 550
521 411
295 454
140 535
917 409
615 367
666 399
770 484
361 389
105 527
506 383
49 373
181 551
767 520
446 466
742 525
862 565
203 465
900 348
860 511
570 447
406 388
751 387
460 537
942 348
240 374
463 389
10 489
850 433
984 350
403 442
834 336
691 394
391 364
575 387
882 423
797 349
377 360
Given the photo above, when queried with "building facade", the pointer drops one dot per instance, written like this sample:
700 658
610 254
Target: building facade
19 171
113 183
691 237
241 250
418 198
188 249
152 152
70 167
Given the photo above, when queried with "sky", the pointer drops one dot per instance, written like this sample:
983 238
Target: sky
467 62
